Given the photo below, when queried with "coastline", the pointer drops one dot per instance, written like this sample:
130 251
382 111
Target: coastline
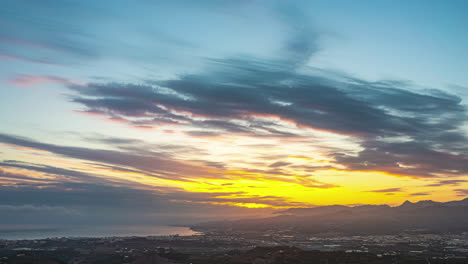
25 233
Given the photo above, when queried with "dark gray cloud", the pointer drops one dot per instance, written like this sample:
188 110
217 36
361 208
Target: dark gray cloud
401 130
111 194
419 194
461 192
67 173
151 163
167 150
4 175
229 95
447 182
147 162
97 204
279 164
415 157
242 89
75 197
389 190
28 214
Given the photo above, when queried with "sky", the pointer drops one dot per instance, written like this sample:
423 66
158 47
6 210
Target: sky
142 112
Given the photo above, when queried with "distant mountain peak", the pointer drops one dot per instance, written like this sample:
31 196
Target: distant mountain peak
420 204
406 203
427 202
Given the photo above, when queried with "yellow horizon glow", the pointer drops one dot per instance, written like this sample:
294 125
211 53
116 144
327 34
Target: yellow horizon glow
250 180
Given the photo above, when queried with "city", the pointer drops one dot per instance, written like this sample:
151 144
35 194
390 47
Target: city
226 247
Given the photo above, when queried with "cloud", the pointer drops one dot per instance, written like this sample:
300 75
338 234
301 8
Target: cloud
389 190
27 214
62 173
156 164
49 33
393 126
263 96
34 209
147 160
250 91
88 203
237 198
461 192
279 164
58 34
419 194
446 182
413 158
17 178
24 59
93 183
34 80
401 130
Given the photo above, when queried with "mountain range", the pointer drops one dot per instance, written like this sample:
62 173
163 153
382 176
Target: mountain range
423 217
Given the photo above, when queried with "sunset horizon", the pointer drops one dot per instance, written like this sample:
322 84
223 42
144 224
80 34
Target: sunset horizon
180 112
233 132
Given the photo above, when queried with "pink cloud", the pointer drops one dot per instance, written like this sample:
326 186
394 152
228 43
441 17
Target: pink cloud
34 80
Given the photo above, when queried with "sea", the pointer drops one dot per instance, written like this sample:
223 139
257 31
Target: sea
32 232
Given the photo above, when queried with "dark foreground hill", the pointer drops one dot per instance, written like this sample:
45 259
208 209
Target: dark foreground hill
423 216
